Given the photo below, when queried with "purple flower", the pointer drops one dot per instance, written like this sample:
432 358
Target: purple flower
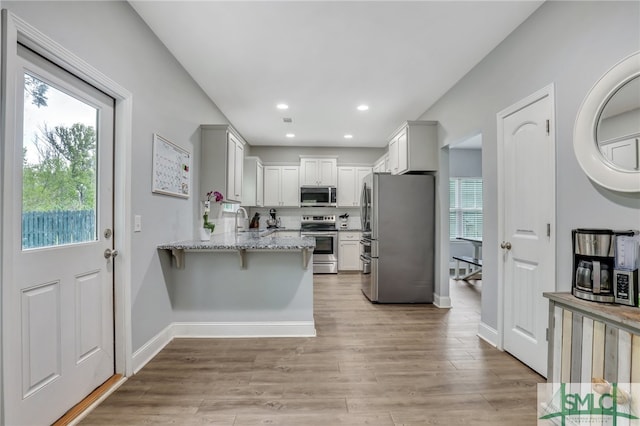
217 196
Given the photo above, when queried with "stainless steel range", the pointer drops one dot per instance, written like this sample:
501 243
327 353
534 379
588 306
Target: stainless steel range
323 229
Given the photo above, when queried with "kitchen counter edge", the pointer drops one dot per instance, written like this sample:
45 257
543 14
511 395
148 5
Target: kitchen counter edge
244 241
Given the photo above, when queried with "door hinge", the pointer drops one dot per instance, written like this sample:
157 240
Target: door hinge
548 229
548 126
547 334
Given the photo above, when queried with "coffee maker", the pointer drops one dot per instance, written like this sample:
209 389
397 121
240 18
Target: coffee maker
594 263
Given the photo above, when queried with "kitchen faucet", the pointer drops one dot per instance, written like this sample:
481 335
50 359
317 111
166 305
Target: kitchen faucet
246 216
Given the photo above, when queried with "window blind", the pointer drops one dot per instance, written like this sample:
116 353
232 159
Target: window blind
465 208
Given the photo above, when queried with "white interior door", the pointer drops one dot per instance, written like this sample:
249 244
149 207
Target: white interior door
528 248
58 320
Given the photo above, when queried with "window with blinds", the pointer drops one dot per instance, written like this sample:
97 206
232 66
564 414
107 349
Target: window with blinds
465 208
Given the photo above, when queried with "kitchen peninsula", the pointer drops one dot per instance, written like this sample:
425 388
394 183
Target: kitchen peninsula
245 285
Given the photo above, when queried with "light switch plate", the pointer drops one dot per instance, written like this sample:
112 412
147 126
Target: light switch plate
137 223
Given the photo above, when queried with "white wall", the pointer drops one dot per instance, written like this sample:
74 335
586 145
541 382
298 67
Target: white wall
570 44
113 39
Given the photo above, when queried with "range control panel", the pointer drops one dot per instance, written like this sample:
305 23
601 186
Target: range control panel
319 219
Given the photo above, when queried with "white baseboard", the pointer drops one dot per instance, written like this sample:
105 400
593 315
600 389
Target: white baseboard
442 301
150 349
244 329
488 334
219 330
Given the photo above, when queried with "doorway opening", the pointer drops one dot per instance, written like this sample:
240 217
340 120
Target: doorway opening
465 221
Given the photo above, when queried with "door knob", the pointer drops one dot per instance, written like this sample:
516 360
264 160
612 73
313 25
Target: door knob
506 245
108 253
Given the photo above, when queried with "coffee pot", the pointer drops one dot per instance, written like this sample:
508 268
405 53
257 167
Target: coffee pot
593 259
593 276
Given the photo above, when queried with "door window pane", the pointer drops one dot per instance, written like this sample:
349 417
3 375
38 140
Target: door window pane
59 167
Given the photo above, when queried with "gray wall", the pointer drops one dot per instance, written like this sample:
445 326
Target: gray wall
570 44
465 162
291 154
112 38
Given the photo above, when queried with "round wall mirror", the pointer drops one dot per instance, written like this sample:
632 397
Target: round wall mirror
606 137
618 130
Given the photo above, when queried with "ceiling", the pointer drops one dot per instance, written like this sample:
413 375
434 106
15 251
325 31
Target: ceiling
325 58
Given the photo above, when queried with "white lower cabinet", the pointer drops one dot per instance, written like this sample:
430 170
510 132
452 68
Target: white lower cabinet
349 251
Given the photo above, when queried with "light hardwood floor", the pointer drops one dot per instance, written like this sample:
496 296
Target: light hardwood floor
370 364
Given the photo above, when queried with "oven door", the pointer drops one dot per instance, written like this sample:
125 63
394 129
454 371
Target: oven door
326 245
325 255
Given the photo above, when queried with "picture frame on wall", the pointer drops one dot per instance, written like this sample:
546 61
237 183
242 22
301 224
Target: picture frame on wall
171 168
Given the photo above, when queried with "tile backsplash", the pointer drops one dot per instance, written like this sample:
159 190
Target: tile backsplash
290 217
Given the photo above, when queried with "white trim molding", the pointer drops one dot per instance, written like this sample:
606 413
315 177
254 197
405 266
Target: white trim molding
150 349
443 302
488 334
244 329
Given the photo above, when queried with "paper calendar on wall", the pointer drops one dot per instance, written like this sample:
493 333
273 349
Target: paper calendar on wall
171 168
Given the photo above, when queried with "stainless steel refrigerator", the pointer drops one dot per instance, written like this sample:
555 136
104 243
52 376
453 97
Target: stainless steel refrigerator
398 239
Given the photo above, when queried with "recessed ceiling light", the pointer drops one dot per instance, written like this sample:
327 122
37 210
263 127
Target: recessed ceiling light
363 107
348 136
290 135
282 106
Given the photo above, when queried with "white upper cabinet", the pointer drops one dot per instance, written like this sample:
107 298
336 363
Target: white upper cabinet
222 161
318 171
253 188
350 184
281 186
414 148
382 165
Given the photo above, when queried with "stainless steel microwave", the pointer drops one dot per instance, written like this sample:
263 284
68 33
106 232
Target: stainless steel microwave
318 196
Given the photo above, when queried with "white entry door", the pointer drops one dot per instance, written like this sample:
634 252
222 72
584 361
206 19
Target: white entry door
527 258
58 328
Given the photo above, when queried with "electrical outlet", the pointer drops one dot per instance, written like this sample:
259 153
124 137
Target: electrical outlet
137 223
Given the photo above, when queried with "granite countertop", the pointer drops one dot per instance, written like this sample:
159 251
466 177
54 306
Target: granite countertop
251 240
